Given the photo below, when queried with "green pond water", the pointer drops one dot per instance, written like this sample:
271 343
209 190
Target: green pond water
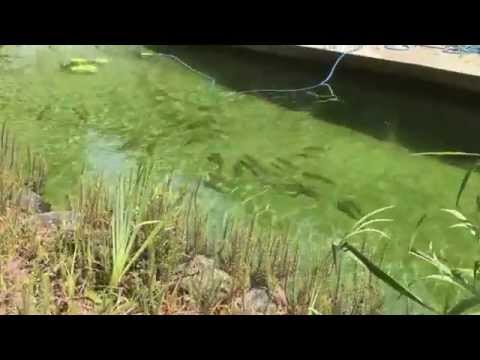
294 152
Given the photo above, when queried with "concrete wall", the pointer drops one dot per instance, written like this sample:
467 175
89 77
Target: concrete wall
430 65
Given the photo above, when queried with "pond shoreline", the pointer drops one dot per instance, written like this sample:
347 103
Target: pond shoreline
256 276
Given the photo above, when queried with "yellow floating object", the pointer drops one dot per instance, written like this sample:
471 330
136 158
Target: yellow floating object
84 69
101 61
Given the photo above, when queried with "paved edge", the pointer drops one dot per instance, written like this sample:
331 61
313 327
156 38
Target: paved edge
365 61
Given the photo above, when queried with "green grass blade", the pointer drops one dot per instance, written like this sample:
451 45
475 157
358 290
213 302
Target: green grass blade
417 229
465 305
444 269
145 244
447 279
374 221
465 181
476 268
446 153
457 214
363 231
334 255
387 279
369 215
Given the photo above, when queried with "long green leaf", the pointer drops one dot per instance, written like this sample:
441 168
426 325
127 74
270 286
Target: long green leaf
374 221
334 255
147 242
369 215
464 305
387 279
358 232
444 269
417 229
464 182
456 213
476 268
447 279
466 272
446 153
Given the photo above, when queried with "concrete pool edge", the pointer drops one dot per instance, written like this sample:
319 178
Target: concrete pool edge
419 64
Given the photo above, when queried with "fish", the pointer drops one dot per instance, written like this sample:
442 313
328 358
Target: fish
276 166
350 208
150 148
255 163
318 177
304 155
316 148
196 124
215 182
216 158
42 112
212 186
204 107
250 168
297 189
286 163
238 169
193 140
129 144
81 112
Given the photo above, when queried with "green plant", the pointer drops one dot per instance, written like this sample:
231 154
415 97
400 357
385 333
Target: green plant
464 279
131 201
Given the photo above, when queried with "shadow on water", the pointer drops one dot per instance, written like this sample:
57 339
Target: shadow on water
419 116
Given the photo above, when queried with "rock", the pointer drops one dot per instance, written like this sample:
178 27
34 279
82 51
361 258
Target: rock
32 202
258 301
67 220
187 313
279 297
201 276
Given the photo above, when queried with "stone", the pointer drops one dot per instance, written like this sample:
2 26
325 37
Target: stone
261 301
279 297
66 220
32 202
258 301
201 275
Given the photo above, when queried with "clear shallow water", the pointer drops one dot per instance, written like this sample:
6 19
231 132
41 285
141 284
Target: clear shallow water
292 152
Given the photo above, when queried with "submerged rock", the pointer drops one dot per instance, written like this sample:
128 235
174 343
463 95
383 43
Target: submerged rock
66 220
202 277
32 202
